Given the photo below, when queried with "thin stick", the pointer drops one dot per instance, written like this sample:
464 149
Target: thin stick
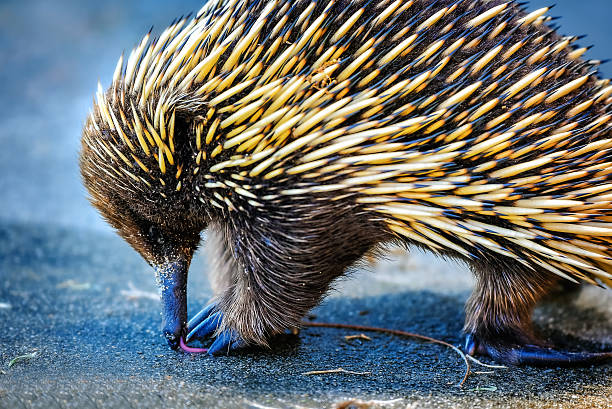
471 358
339 370
360 336
396 332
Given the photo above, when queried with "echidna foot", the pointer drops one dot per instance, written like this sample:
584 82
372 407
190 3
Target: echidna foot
514 354
205 324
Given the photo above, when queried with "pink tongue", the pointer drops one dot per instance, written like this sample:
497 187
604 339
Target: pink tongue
191 350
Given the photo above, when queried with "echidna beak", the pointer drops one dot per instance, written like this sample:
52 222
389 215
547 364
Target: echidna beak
172 281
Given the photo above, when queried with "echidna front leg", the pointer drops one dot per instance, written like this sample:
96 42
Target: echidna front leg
498 318
280 269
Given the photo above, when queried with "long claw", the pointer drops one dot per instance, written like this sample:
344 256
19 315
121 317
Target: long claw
538 356
206 327
223 344
470 345
203 325
200 316
236 344
513 354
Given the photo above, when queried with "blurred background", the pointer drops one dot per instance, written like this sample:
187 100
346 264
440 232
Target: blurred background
52 53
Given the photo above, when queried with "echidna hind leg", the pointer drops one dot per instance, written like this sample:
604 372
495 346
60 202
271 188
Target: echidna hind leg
498 319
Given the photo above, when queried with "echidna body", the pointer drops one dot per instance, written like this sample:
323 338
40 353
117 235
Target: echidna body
305 134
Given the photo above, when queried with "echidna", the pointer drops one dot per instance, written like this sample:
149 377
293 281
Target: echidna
305 134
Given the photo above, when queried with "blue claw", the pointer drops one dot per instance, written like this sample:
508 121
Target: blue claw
205 323
200 316
470 346
515 354
206 327
236 344
225 342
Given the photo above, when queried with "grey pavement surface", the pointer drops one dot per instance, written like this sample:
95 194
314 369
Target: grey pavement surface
79 299
70 297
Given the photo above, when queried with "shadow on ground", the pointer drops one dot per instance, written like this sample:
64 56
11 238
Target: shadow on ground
84 303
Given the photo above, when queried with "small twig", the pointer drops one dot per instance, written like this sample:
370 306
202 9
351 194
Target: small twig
400 333
257 405
21 358
360 336
133 293
353 403
73 285
385 402
470 357
338 370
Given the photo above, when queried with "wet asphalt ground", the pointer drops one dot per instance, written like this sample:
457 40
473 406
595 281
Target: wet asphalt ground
82 304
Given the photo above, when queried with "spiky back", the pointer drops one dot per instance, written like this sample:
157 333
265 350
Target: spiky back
467 125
